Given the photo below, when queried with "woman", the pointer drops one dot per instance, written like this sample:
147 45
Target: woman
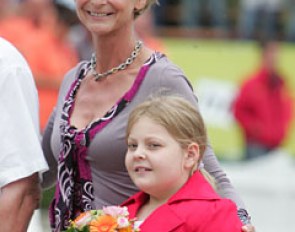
85 134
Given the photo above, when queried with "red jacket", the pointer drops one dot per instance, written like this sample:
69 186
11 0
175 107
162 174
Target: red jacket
263 109
194 208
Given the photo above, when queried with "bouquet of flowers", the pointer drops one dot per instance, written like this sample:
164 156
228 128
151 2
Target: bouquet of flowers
108 219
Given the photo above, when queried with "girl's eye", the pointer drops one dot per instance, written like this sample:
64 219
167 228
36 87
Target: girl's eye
132 146
154 145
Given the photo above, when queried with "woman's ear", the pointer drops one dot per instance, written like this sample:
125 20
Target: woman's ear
192 156
139 5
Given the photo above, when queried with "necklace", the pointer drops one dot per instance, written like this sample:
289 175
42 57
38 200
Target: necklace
97 76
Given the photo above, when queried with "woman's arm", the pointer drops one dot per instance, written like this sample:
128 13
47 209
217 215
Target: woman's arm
224 186
18 200
48 146
49 177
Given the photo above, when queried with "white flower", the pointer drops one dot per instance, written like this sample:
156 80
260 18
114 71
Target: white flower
122 222
116 211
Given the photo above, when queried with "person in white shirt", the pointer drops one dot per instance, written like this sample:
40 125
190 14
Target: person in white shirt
21 157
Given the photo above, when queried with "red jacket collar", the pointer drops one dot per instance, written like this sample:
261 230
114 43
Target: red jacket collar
195 188
190 191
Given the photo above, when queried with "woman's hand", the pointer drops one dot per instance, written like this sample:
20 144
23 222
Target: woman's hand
248 228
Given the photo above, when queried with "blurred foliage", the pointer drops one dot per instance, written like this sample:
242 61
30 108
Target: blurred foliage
47 198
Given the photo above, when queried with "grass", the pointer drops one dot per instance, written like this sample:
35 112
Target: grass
47 197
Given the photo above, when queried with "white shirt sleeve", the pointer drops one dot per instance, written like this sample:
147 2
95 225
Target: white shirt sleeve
20 150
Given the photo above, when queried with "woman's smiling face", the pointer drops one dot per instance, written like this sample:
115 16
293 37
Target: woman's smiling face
107 16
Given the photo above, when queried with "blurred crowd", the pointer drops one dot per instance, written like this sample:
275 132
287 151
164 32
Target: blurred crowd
240 19
40 29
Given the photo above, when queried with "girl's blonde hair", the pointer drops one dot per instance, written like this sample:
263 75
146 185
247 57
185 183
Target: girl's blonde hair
178 116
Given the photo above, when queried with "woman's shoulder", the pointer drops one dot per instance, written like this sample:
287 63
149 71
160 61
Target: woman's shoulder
167 74
162 62
73 74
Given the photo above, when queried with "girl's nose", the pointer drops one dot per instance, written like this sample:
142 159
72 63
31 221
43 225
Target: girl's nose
139 153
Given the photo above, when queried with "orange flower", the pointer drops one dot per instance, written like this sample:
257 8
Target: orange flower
104 223
108 219
126 229
82 219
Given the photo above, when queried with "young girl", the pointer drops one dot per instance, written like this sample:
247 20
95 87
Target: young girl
166 140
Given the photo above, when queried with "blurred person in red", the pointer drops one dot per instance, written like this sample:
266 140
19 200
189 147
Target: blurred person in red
60 56
15 25
263 107
40 30
6 8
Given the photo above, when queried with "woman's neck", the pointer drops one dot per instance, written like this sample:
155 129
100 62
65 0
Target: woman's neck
112 52
113 48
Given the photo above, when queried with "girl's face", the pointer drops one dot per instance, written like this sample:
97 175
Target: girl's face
106 16
155 160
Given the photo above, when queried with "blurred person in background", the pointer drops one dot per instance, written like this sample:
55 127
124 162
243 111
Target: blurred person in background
248 16
145 29
290 24
40 30
82 41
192 12
79 36
259 18
21 157
15 25
60 55
6 8
160 12
263 107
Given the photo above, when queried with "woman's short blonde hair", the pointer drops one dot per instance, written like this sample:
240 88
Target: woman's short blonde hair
149 3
